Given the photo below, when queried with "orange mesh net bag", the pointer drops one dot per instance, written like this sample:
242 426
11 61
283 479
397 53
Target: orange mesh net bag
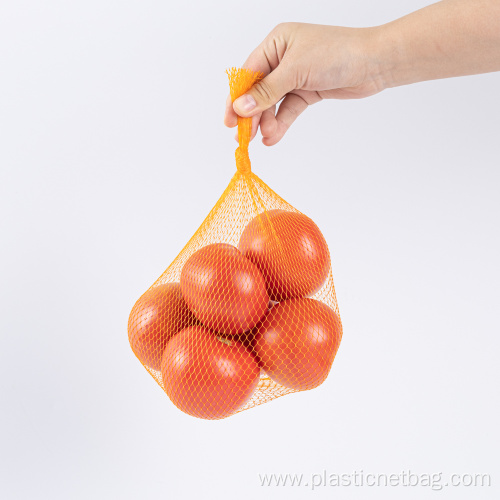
247 311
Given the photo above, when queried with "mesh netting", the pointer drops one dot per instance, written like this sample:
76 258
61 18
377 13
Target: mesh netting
247 311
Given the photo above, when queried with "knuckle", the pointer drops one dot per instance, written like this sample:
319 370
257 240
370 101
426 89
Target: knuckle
286 26
281 29
292 110
264 92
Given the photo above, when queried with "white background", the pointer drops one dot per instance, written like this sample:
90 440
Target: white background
112 151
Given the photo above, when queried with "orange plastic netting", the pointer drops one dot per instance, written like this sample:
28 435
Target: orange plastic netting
247 311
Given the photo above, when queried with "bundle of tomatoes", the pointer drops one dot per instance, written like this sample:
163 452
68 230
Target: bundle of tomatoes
237 312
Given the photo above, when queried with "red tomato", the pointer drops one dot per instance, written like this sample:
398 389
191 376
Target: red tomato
225 291
297 341
248 338
208 376
289 250
155 318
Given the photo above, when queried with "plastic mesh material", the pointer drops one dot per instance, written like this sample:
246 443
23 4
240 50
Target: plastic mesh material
247 311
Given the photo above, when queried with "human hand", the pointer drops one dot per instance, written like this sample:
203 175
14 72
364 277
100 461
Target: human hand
303 64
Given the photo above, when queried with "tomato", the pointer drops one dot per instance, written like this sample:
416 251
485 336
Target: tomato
208 376
289 250
225 291
297 341
248 338
155 318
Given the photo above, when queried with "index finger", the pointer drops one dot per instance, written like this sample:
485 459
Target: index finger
230 117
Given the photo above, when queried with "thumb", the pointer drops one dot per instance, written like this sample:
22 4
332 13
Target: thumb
264 94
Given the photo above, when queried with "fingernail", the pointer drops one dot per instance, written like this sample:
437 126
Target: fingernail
245 103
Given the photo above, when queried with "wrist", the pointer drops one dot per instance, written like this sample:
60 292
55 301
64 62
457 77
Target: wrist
386 57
